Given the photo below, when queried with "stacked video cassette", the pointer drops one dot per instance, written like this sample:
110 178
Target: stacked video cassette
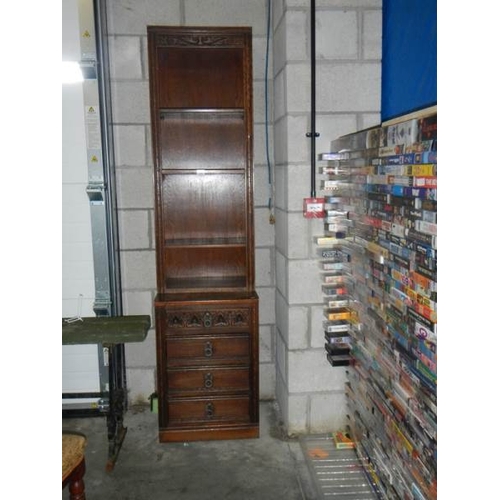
392 374
342 187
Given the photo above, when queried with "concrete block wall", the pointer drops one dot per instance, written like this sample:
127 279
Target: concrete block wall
309 391
127 22
293 367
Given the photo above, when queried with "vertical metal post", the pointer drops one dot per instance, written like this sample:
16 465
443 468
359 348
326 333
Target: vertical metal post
313 134
103 79
118 376
100 189
97 187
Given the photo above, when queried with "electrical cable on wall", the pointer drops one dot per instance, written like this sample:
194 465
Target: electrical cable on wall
269 170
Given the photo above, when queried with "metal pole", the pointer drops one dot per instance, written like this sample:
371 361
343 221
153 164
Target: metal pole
102 67
313 134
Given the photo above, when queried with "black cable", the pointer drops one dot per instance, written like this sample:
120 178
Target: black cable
269 175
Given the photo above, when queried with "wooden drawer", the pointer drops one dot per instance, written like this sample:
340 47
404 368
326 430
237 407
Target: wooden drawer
196 351
208 380
207 366
208 410
206 319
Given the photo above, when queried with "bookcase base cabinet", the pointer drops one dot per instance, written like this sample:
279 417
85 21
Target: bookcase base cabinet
207 362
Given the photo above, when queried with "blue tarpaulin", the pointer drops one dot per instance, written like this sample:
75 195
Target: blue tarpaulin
409 56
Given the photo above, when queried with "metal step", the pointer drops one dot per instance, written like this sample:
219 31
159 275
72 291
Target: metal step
337 474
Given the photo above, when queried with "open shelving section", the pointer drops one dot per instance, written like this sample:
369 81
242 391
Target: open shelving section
204 196
206 306
385 180
336 256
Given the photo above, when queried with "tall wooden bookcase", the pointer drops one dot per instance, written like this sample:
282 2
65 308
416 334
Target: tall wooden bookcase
206 307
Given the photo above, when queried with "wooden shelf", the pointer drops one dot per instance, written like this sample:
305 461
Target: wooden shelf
216 111
202 128
206 242
106 330
210 297
198 284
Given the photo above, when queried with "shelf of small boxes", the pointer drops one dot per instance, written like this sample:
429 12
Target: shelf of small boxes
340 189
391 380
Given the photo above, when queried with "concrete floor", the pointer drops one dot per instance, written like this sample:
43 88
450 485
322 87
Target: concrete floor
270 467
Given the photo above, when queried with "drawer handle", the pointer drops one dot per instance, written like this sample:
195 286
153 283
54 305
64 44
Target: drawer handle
209 410
207 320
209 350
209 380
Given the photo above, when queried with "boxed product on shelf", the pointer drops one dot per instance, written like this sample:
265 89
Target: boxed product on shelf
381 184
343 440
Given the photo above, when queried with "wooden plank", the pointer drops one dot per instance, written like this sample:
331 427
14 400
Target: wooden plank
106 330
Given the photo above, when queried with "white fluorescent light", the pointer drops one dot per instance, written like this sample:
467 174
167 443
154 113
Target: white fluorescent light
71 72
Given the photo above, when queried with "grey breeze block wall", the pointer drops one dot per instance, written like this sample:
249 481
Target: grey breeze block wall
348 72
293 367
127 41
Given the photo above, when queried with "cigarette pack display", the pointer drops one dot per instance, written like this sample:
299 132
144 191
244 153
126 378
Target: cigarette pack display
337 349
409 158
331 290
329 302
338 339
331 240
339 314
333 266
337 254
343 440
336 326
339 360
391 387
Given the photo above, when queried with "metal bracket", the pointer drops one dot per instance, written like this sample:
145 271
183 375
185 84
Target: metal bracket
88 69
102 303
102 306
95 192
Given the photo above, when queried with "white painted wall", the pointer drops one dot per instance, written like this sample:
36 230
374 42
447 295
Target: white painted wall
80 372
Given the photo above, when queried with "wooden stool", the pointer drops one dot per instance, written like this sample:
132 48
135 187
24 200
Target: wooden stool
73 464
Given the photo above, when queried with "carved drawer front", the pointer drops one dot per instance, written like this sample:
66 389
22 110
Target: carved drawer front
207 319
222 349
208 380
207 410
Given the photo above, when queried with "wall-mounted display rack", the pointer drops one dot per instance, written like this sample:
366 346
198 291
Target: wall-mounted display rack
385 184
335 258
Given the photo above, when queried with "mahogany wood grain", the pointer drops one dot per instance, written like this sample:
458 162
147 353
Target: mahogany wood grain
207 328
